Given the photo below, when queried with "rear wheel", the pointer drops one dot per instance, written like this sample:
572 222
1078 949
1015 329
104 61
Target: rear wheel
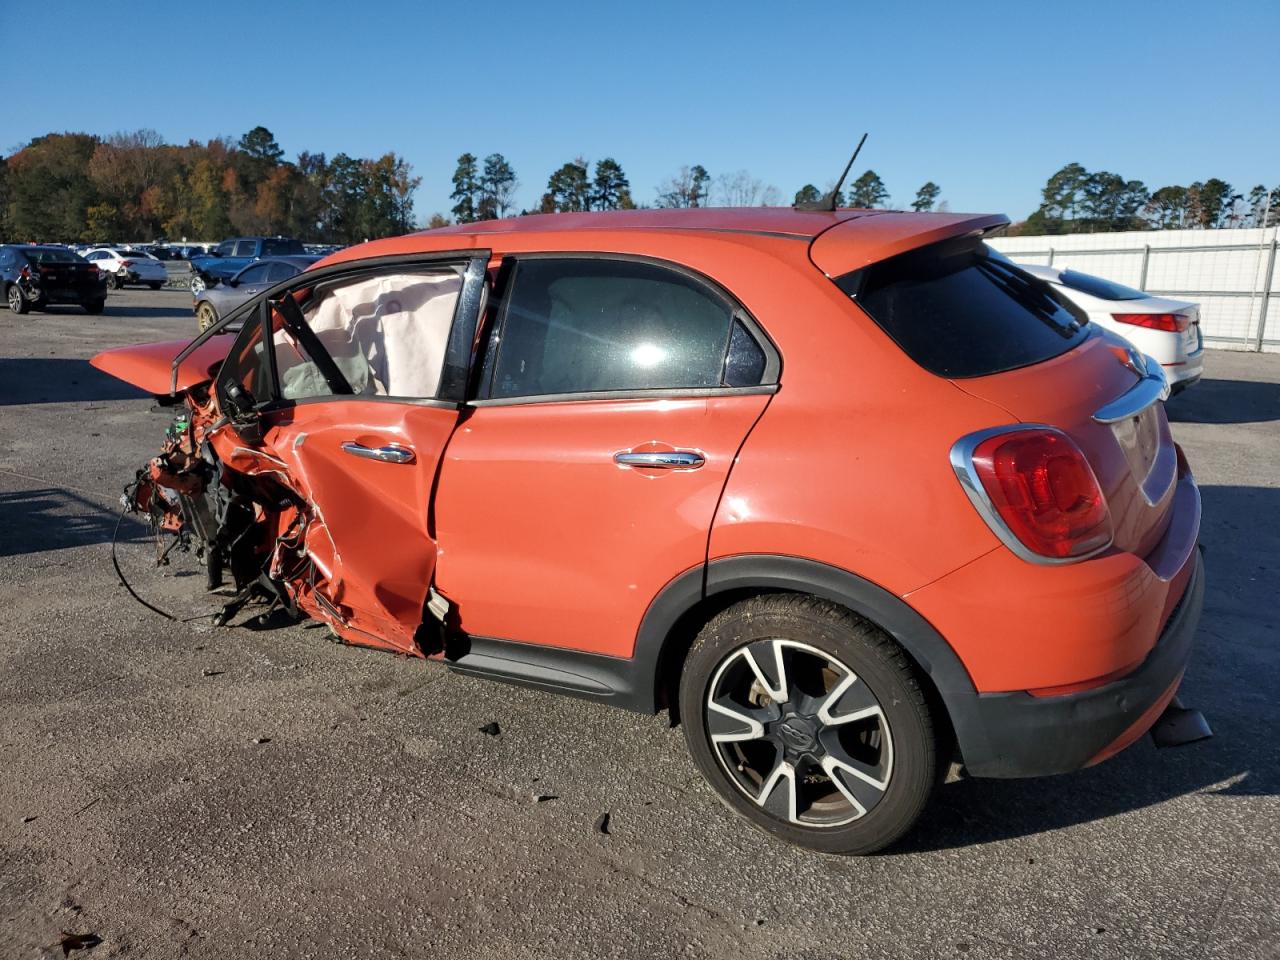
94 306
810 723
154 284
206 316
17 302
117 281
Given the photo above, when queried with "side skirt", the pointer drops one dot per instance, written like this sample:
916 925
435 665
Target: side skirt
592 676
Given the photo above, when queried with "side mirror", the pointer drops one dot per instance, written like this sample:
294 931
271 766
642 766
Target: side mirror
232 282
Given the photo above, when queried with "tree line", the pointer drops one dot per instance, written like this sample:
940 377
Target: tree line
75 186
1075 200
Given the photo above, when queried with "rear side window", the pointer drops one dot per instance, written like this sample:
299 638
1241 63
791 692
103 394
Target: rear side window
51 255
280 271
280 248
959 309
1097 287
599 325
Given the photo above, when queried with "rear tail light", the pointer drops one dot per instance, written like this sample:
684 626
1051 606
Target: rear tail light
25 273
126 263
1036 491
1169 322
93 269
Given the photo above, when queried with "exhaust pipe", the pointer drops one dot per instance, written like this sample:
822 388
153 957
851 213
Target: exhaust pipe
1180 725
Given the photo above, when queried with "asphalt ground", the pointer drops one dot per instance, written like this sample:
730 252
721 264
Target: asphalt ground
178 790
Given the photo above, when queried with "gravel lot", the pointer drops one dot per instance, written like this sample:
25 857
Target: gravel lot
182 791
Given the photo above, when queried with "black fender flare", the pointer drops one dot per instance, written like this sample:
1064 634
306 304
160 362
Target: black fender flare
762 572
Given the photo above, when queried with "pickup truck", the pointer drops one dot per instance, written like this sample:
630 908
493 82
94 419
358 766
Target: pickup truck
231 256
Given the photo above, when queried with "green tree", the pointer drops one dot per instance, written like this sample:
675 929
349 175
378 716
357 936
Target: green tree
50 189
1166 208
1264 206
437 221
807 194
926 197
1062 195
568 189
259 155
610 190
690 187
496 188
1209 202
466 190
868 191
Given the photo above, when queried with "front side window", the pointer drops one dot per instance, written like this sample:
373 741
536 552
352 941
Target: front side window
224 249
386 334
246 248
959 309
599 325
280 247
255 274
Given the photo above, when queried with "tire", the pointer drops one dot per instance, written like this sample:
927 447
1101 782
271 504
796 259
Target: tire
842 766
17 302
117 281
206 316
154 284
94 306
196 284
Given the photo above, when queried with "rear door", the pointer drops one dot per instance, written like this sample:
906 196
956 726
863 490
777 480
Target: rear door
364 392
613 398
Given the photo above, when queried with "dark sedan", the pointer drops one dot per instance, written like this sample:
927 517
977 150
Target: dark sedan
32 277
214 302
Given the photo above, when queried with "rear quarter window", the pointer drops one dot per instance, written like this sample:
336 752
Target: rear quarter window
959 309
1098 287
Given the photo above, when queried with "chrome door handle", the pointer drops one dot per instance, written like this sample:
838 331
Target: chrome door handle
391 453
661 459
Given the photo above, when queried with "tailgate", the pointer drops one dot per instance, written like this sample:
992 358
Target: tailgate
1112 411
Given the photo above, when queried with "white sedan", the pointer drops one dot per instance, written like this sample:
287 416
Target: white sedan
123 266
1168 330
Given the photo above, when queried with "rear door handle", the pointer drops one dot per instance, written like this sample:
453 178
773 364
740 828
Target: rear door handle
661 459
391 453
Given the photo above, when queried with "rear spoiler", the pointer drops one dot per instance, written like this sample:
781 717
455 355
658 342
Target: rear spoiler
853 244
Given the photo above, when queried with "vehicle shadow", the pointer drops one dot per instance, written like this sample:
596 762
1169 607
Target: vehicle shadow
1226 401
49 518
1234 678
26 380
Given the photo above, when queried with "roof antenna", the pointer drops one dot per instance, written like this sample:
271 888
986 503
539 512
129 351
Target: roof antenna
828 201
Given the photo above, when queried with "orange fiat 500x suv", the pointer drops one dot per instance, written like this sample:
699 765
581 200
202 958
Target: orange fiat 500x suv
847 492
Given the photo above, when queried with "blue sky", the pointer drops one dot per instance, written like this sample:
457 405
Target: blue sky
985 99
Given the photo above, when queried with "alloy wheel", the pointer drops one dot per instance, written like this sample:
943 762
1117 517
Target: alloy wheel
799 733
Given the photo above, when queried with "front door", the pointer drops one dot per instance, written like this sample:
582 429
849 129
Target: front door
614 396
360 374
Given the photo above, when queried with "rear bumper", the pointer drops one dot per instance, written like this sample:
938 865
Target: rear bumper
1020 735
